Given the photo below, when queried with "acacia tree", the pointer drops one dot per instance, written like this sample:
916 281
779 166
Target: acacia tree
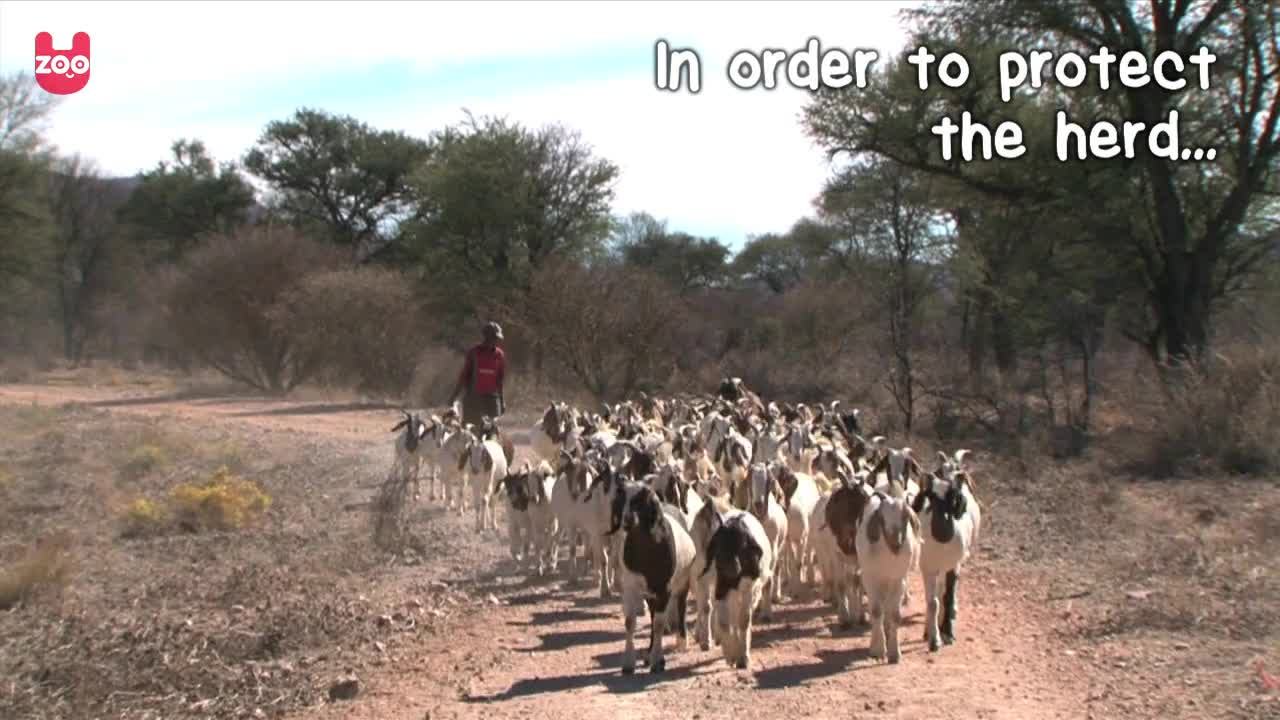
1186 243
340 177
685 261
496 200
187 198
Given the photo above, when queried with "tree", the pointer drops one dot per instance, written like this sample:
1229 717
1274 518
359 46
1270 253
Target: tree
25 224
184 200
685 261
24 112
613 328
496 200
1186 242
785 261
224 304
338 174
904 240
83 207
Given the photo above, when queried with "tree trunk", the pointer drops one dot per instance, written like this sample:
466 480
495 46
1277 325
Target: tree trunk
1002 341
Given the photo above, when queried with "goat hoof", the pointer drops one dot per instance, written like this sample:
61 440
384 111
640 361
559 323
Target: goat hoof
894 658
742 664
934 645
704 645
949 639
628 670
659 666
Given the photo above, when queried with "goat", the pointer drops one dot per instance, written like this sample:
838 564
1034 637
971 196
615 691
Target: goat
741 555
542 517
594 516
842 518
485 464
947 508
657 558
454 447
705 522
519 522
765 504
799 496
730 451
549 433
888 549
410 449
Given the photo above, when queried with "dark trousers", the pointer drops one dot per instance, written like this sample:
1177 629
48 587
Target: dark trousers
475 407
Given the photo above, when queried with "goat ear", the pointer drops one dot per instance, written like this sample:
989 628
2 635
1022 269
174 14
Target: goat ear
875 526
962 457
399 425
913 468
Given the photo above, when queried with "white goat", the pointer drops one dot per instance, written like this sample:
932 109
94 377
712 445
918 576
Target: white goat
453 453
888 546
485 467
766 506
799 497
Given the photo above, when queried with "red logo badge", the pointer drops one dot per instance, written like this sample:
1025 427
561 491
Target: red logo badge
62 72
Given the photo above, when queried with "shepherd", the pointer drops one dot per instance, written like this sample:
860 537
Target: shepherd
480 382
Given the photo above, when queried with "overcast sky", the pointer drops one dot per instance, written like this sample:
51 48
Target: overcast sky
724 162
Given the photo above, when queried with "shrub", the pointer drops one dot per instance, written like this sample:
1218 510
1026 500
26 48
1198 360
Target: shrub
143 459
1226 415
224 502
613 328
143 517
47 566
367 325
220 304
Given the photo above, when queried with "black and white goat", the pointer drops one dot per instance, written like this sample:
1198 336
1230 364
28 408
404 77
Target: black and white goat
657 561
740 555
411 449
951 519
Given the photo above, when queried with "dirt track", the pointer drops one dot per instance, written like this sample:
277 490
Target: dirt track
548 649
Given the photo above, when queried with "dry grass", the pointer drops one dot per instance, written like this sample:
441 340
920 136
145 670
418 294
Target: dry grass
205 624
45 568
1168 588
1224 417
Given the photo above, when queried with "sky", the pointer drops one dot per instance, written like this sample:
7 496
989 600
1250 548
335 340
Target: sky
724 162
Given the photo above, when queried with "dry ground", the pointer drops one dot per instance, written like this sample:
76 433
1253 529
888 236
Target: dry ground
1089 598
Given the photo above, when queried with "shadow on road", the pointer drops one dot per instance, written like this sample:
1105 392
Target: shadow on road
830 662
320 409
612 680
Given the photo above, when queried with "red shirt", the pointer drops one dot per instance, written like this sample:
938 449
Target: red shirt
483 371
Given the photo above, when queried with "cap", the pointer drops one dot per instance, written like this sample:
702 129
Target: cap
493 329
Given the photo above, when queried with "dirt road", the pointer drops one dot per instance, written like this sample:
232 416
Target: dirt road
541 649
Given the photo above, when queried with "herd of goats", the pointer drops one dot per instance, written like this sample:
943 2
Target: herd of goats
722 495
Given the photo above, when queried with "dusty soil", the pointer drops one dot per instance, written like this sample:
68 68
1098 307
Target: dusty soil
454 632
